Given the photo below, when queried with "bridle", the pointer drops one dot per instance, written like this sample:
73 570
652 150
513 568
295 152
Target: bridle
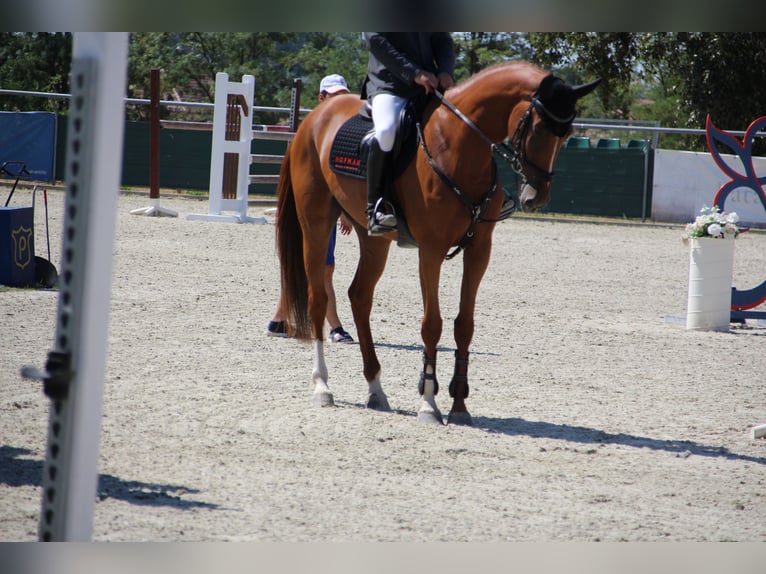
513 152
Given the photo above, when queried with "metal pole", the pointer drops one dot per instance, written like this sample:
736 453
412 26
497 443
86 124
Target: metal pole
296 104
646 181
154 134
154 207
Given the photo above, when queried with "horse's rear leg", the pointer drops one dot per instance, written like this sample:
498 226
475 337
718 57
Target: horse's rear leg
316 250
372 260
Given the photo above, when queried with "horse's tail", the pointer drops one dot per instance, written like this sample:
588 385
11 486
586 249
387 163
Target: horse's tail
294 296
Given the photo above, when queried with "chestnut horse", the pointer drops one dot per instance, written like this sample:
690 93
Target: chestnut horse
448 197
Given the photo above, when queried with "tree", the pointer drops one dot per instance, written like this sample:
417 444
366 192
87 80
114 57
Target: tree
677 78
585 56
148 51
36 62
323 53
722 77
475 51
189 62
656 94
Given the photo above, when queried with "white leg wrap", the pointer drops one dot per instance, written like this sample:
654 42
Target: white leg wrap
322 395
375 386
429 412
319 373
376 398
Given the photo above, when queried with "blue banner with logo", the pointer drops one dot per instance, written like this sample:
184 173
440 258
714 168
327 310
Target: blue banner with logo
29 137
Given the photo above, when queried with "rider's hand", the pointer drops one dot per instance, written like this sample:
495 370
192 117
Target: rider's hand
445 81
428 80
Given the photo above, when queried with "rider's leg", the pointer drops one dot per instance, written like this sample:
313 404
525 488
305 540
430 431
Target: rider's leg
385 115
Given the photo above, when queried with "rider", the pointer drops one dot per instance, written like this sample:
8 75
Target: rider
401 66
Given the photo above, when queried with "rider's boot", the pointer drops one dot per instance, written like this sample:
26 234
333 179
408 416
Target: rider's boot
381 217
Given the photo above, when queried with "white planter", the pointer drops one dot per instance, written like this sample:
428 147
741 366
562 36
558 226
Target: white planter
711 265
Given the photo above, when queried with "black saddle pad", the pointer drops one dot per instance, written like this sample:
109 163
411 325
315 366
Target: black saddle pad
349 157
346 155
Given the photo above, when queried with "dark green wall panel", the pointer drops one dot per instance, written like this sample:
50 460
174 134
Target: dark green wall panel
184 158
595 181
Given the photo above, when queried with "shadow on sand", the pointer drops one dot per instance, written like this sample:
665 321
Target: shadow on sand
540 429
17 468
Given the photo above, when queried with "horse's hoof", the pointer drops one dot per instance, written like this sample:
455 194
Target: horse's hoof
323 399
430 417
463 419
378 402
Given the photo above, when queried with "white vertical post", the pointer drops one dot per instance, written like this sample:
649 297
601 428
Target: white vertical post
217 205
219 143
75 369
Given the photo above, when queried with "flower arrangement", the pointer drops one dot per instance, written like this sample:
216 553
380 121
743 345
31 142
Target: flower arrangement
712 222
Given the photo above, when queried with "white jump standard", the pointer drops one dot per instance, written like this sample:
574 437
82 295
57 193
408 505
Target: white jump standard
230 155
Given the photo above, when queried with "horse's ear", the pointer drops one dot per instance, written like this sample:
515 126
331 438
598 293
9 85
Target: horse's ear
585 89
545 89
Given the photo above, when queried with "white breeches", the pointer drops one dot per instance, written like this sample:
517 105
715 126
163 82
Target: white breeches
385 116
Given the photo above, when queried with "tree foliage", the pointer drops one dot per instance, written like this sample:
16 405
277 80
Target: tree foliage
585 56
323 53
35 62
475 51
720 75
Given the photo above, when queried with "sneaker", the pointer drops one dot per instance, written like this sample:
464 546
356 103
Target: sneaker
338 335
276 329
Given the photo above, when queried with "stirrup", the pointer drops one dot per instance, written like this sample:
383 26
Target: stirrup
510 203
381 219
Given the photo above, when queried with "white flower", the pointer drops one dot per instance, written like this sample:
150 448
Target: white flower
713 223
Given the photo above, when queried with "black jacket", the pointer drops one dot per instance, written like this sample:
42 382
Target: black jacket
396 57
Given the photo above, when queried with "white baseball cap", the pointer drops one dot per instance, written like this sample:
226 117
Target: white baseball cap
332 84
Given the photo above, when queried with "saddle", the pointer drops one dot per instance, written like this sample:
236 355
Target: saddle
348 156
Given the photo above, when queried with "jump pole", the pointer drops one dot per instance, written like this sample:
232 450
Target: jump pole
154 152
75 369
230 154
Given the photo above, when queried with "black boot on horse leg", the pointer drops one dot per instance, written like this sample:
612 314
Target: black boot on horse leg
428 388
458 390
380 213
